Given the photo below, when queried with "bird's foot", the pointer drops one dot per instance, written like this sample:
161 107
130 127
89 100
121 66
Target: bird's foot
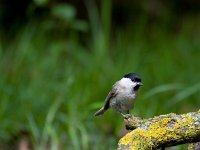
126 116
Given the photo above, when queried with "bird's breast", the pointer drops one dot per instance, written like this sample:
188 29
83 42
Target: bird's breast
128 99
123 103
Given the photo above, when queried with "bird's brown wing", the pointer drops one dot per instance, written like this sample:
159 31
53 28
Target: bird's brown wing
111 94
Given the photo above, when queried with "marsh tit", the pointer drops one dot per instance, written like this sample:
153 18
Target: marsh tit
123 94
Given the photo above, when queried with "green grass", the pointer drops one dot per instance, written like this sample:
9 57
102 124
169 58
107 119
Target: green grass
51 85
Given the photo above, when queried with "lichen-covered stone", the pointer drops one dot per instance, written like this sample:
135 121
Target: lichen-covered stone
164 130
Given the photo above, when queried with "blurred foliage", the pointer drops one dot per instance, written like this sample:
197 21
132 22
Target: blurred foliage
59 60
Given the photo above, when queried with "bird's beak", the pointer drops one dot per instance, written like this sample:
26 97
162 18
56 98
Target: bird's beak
139 83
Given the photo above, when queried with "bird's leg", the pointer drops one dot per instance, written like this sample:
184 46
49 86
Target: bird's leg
126 116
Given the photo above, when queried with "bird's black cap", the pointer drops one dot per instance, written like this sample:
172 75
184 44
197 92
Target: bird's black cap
133 76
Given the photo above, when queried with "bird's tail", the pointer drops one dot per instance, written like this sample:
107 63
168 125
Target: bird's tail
100 112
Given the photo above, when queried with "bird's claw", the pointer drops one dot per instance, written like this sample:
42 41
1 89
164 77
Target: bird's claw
126 116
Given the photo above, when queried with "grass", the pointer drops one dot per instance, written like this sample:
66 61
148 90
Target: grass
51 86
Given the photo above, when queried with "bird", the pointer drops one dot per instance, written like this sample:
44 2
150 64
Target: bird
122 95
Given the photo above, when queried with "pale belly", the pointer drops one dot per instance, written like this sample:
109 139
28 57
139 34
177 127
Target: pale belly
124 104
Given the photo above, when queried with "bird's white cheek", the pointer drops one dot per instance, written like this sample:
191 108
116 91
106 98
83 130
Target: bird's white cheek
134 84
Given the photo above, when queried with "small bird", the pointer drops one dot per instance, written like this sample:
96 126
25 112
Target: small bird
123 94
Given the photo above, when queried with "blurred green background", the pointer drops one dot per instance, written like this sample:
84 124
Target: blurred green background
59 59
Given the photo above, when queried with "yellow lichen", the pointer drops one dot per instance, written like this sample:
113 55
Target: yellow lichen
159 130
132 138
126 139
